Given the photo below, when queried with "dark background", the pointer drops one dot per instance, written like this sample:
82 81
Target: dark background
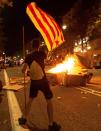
16 17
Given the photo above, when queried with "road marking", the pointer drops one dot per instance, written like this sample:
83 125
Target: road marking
91 91
14 108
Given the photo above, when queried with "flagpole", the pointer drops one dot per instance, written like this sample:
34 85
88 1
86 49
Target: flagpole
23 32
23 40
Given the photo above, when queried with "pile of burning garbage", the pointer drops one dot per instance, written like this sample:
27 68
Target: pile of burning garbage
73 70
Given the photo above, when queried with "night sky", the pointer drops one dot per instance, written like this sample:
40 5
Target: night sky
16 17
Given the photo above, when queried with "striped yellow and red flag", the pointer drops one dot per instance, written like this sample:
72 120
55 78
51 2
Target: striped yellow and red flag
46 25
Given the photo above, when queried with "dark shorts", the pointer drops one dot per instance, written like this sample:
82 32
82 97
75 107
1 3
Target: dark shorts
40 85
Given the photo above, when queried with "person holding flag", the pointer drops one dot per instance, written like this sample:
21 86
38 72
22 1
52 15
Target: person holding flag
53 37
39 82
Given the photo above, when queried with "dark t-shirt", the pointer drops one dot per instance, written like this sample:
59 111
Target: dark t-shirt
37 56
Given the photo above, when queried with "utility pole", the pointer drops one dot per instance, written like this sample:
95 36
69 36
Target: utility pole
23 40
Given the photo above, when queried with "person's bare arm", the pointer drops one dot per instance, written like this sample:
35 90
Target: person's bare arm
24 68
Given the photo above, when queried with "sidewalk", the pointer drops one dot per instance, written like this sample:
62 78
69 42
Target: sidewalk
5 123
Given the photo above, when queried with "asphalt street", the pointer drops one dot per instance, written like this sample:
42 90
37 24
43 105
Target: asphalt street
75 108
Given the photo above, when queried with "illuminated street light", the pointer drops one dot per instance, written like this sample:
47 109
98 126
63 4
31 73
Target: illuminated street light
95 55
64 27
89 47
42 42
84 50
76 44
80 42
3 53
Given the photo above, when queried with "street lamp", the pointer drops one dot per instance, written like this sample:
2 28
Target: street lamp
64 27
4 55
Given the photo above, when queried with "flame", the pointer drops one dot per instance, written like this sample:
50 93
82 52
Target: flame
66 66
69 64
58 69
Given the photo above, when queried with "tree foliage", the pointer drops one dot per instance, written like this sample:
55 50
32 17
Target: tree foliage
82 20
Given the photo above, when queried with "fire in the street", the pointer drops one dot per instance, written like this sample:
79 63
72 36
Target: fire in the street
66 66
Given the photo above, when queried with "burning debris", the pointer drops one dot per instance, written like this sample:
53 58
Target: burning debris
66 66
71 71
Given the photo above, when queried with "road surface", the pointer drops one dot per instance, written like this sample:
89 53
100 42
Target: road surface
75 108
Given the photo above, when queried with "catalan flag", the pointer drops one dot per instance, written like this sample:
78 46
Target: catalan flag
46 25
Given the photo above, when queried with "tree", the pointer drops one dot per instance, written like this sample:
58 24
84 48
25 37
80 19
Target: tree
81 20
6 2
94 27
